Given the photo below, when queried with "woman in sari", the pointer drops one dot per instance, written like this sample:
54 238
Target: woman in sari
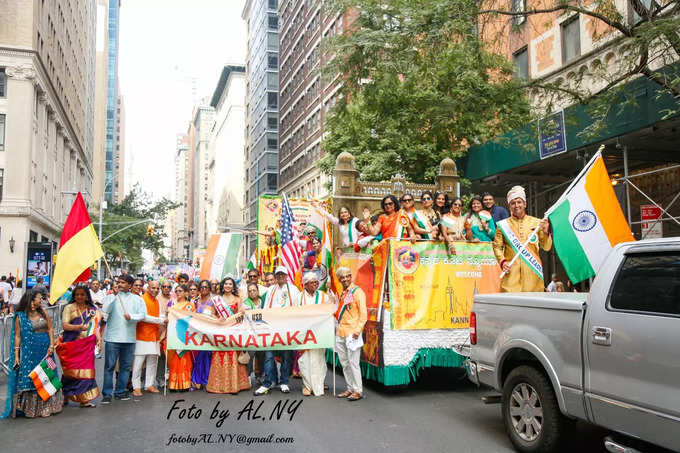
204 306
426 220
394 223
227 375
32 339
80 320
180 363
441 203
453 225
479 225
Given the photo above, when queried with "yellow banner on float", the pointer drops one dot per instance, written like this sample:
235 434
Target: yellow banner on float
431 289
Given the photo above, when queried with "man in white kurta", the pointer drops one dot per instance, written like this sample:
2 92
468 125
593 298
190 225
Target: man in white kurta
312 362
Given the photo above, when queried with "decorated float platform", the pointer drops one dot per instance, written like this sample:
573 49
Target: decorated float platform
418 299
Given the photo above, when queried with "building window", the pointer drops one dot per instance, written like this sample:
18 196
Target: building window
3 83
271 181
571 40
2 132
521 61
273 62
2 180
272 100
518 7
273 4
273 22
32 236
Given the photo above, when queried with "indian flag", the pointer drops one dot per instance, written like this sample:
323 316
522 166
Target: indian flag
221 257
252 262
587 222
45 378
323 232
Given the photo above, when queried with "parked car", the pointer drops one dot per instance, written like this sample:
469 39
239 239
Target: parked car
610 357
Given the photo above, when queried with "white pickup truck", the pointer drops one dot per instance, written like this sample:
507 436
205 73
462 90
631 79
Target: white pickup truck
610 357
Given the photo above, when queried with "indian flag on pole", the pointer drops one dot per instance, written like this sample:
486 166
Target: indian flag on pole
252 262
45 378
323 232
587 222
221 257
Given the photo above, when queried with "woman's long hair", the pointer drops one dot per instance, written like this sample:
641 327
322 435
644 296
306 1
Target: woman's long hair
447 204
342 222
27 300
233 282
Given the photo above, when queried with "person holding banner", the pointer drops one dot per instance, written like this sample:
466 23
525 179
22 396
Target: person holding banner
80 321
180 363
202 359
312 362
280 295
351 316
31 340
521 235
227 375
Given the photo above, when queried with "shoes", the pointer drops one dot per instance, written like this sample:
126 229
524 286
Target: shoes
87 405
106 400
261 391
344 394
136 392
124 397
285 388
355 397
152 389
306 392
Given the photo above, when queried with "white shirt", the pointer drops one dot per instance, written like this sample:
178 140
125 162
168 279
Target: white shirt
99 296
5 289
552 287
281 296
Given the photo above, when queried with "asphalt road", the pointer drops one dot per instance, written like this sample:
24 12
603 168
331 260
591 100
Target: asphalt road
441 413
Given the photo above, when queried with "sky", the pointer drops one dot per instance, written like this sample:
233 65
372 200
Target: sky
171 54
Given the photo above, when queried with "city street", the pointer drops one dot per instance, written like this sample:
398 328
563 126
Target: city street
440 413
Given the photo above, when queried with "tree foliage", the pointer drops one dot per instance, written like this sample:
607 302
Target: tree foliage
127 245
418 86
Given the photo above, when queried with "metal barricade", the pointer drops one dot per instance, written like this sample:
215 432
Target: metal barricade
53 312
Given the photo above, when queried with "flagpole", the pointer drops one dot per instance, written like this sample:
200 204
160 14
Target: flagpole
112 278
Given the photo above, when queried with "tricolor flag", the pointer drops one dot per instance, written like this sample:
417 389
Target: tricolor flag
252 262
221 258
587 221
323 232
79 248
45 378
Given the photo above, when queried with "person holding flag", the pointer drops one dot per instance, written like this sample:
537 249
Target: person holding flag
518 238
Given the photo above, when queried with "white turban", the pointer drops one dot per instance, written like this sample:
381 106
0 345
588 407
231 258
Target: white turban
517 192
309 277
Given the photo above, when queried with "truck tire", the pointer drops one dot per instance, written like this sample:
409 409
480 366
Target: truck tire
531 414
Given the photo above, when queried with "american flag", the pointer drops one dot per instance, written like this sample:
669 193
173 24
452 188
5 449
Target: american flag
290 250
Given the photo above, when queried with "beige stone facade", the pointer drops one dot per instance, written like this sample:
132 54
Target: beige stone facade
47 63
101 71
202 121
179 235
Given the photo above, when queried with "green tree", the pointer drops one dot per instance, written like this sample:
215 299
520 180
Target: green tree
418 86
124 239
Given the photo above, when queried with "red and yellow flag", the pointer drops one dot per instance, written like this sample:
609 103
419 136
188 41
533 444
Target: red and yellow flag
79 248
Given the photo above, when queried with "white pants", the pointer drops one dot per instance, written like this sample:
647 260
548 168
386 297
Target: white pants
313 370
350 365
151 364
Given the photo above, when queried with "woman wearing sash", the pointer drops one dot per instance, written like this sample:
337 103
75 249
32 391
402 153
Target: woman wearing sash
394 223
204 306
346 223
227 375
453 225
313 361
426 220
479 225
419 222
80 320
180 363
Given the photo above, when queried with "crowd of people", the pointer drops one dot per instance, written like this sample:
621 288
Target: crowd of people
126 319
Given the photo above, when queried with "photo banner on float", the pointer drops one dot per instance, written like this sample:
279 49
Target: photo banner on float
431 289
276 329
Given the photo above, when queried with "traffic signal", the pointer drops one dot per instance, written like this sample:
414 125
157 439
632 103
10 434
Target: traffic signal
149 230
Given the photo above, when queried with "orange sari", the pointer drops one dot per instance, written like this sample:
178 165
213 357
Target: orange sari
180 363
394 225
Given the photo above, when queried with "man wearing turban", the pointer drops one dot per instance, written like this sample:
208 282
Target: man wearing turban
526 273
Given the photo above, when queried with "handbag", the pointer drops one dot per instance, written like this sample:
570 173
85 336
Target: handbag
243 358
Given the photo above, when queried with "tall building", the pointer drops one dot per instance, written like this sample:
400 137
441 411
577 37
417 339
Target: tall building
261 152
202 123
225 163
305 99
100 99
47 64
182 215
111 183
119 189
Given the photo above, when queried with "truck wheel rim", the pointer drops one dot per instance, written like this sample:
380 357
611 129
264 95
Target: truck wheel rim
526 412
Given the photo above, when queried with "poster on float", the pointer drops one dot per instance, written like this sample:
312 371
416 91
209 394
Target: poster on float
431 289
276 329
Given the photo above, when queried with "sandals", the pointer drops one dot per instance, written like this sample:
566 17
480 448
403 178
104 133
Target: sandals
306 392
355 397
87 405
344 394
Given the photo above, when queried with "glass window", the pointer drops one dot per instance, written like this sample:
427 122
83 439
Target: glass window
273 62
3 83
271 181
518 7
272 122
648 282
32 236
272 100
272 22
2 132
2 178
521 62
272 41
273 4
571 40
